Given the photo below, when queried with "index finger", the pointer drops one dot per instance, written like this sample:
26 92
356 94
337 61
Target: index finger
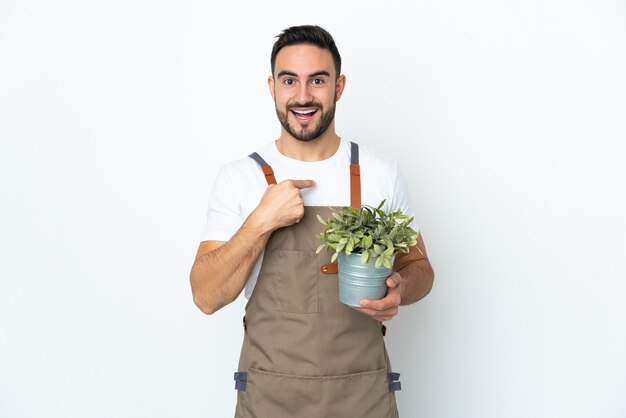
392 299
303 184
378 305
394 278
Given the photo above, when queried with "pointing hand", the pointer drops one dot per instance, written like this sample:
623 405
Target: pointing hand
281 204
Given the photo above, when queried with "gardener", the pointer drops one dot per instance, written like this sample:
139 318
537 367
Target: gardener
304 353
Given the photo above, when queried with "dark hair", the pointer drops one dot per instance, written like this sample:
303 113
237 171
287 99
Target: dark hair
307 34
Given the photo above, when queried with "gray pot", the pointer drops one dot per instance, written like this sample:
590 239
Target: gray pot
360 281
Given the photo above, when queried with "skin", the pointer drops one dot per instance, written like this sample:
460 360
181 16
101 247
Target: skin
306 74
304 88
407 284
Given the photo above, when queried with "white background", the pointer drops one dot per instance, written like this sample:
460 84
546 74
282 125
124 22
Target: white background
508 119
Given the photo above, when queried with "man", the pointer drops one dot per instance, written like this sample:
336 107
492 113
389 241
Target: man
304 353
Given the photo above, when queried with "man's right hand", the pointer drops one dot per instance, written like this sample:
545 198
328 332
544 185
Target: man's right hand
281 205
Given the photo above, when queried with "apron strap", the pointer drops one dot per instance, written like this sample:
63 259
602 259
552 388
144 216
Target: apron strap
355 177
394 382
267 170
241 380
330 268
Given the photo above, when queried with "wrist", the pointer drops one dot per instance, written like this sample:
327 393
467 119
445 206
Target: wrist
256 225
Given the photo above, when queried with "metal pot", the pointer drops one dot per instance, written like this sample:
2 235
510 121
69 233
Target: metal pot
360 281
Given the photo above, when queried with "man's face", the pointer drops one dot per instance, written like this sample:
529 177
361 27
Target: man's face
305 89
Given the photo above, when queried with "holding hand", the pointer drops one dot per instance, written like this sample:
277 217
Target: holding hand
384 309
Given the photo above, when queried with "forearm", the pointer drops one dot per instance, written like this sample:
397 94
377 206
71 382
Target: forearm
416 273
417 281
219 276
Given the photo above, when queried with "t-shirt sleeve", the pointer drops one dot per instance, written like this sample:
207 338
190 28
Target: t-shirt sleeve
224 213
401 198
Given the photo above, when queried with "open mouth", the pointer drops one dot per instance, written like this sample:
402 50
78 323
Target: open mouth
304 114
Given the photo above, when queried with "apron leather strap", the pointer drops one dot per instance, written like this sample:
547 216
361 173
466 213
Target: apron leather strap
330 268
267 170
355 177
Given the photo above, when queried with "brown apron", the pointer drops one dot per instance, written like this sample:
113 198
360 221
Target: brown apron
305 354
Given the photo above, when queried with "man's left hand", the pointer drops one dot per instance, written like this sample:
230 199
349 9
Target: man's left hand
384 309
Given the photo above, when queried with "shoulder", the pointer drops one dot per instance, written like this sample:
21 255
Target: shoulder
240 184
240 166
244 169
371 159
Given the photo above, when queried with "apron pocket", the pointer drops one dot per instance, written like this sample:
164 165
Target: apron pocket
363 395
277 395
295 283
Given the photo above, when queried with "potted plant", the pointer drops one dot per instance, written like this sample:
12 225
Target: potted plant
366 241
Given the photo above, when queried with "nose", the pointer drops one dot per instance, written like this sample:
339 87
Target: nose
303 94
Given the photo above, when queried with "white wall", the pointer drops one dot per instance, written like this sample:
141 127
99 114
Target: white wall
507 117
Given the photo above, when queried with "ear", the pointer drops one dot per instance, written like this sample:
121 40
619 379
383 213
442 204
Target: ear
270 84
339 86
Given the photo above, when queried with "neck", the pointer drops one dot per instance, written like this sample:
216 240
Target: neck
318 149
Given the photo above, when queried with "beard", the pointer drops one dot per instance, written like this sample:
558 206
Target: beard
307 133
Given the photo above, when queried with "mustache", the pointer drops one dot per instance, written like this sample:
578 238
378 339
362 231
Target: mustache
307 104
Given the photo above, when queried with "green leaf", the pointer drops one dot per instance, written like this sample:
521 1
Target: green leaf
320 248
334 237
367 242
365 257
322 221
386 262
334 257
379 261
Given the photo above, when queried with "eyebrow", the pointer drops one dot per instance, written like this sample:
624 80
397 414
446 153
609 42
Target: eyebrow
292 74
319 73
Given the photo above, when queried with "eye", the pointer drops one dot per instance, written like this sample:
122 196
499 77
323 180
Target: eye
289 82
318 81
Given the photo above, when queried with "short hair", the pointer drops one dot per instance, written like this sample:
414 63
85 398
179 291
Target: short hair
307 34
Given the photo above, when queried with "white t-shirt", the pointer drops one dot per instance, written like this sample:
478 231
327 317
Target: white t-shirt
240 185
